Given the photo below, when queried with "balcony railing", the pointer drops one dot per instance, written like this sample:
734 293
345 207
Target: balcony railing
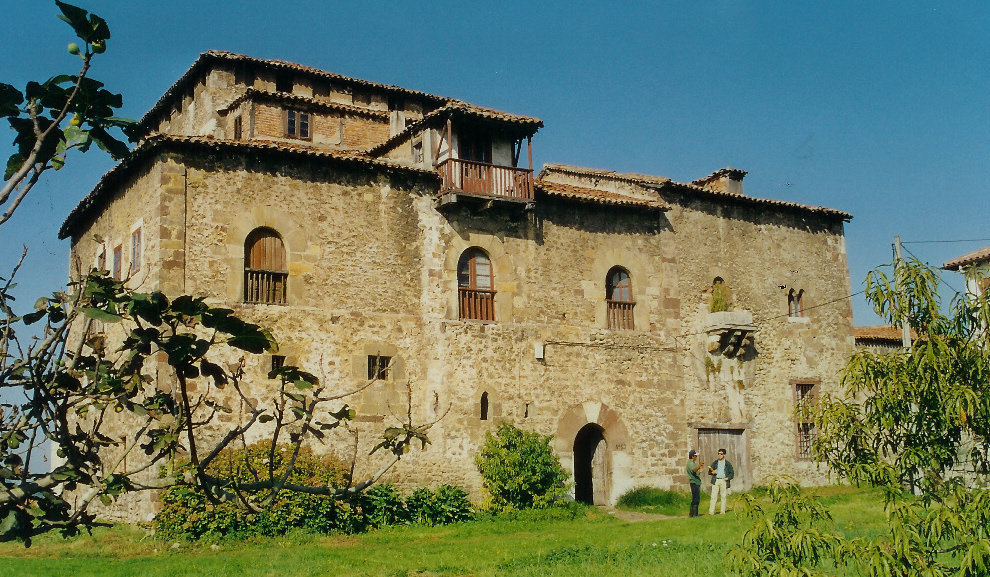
264 286
620 315
477 304
483 179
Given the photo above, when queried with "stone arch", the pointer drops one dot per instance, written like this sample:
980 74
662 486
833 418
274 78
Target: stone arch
588 435
502 269
300 253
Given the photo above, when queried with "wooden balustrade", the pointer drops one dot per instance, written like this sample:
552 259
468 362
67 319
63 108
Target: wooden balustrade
483 179
264 286
477 304
620 315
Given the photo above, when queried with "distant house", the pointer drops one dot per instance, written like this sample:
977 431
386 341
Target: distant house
976 266
880 338
390 234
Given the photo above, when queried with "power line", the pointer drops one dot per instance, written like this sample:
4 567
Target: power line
940 241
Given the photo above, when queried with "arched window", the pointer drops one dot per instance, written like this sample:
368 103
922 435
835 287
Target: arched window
619 299
795 308
475 286
484 406
265 269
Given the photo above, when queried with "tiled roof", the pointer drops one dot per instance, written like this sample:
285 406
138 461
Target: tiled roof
977 256
306 103
595 195
662 183
212 57
157 142
628 177
880 333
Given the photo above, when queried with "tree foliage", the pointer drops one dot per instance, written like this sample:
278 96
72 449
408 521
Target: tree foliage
124 384
519 469
916 423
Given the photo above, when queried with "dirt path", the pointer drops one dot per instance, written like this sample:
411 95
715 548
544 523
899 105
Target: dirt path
637 516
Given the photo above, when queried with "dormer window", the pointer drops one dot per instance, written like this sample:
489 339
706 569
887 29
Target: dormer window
297 124
283 82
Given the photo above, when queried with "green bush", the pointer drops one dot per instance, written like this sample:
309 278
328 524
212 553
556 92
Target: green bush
654 500
383 505
186 512
447 504
520 469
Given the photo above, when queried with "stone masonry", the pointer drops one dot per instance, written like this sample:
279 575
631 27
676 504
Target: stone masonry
374 232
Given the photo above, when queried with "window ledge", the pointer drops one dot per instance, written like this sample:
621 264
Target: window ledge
804 320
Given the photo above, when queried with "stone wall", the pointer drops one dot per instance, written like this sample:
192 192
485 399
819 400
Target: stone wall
372 270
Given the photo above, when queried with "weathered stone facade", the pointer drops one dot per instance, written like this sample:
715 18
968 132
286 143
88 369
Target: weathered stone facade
374 239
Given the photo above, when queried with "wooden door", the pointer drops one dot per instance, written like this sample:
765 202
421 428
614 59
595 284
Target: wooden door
736 452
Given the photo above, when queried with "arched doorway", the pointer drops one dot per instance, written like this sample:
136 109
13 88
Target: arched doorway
591 465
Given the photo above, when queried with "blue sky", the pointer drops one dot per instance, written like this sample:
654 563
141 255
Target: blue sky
876 108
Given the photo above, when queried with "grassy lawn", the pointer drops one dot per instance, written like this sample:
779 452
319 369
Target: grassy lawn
593 543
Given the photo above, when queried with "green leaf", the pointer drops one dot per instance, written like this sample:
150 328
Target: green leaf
10 99
14 163
100 315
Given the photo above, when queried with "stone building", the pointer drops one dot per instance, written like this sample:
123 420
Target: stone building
385 232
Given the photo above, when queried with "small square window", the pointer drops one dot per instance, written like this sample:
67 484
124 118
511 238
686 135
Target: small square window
297 124
379 367
417 150
278 361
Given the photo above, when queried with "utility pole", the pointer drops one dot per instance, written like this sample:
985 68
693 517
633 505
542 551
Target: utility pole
898 263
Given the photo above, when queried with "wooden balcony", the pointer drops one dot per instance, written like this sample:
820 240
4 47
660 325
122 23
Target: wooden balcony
472 178
476 304
620 315
264 286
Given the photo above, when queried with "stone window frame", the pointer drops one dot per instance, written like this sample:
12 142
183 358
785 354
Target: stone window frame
266 276
293 122
118 261
620 314
795 303
136 249
476 300
806 393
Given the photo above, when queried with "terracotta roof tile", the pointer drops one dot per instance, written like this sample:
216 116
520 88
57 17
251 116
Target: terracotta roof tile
156 142
215 56
977 256
662 183
597 196
306 102
880 333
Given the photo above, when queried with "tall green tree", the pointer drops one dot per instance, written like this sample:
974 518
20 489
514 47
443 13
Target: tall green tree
916 423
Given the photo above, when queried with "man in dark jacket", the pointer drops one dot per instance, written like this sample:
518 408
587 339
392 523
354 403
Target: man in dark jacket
694 479
722 473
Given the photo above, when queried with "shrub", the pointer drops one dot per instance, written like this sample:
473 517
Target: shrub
447 504
655 500
721 298
187 513
520 469
383 505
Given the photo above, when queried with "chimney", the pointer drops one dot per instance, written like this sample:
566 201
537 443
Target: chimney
723 180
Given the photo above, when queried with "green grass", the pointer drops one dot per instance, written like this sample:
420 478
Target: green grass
654 500
588 542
